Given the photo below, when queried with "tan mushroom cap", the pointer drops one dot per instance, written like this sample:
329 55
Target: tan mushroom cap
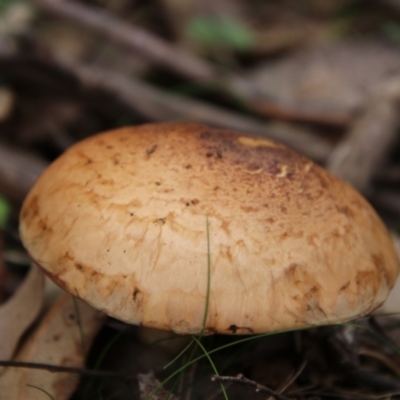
120 220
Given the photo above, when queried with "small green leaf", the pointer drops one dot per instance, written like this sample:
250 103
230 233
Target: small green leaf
4 4
236 35
5 210
392 31
41 390
220 32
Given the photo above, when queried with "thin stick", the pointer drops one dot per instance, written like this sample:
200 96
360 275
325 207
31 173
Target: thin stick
292 378
59 368
242 379
132 36
160 105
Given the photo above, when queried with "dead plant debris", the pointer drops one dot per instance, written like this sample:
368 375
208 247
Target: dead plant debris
320 76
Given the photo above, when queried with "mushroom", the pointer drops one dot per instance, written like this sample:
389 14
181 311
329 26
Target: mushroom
187 228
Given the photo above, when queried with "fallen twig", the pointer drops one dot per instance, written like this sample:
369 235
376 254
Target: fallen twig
379 355
155 48
160 105
132 36
63 368
292 378
242 379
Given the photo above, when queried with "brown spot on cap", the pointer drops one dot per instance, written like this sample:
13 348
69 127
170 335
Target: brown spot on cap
151 149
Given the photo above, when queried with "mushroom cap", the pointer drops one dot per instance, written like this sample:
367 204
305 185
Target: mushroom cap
187 228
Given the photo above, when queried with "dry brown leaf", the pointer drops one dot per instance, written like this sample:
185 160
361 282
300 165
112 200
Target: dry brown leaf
326 83
18 313
56 341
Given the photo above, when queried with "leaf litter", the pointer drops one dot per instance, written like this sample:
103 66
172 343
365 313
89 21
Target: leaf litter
19 312
63 338
318 82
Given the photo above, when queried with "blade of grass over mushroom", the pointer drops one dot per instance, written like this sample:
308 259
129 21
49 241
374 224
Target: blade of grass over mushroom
41 390
207 303
206 309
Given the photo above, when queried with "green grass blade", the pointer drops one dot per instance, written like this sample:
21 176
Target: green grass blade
207 355
207 304
175 359
99 361
42 390
377 335
79 321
